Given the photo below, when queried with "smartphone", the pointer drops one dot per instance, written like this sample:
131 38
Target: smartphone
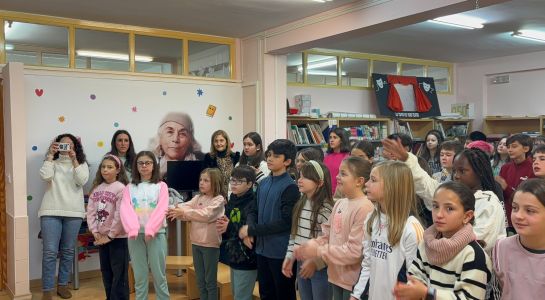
64 147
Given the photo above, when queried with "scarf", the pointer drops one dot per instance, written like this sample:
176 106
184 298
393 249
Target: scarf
441 250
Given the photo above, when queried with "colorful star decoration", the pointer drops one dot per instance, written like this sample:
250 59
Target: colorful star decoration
200 92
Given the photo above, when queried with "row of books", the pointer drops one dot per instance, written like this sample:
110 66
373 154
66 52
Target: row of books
306 134
374 132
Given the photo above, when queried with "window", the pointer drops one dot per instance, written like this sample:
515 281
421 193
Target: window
102 50
385 67
412 70
440 77
322 69
164 55
355 72
35 44
294 67
209 60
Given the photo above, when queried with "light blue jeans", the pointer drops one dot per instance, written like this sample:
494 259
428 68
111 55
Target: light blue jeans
59 235
243 283
314 288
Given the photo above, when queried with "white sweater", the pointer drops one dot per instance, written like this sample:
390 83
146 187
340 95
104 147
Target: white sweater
64 193
489 213
382 264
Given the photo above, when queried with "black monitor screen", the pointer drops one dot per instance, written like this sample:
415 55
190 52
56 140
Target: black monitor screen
184 175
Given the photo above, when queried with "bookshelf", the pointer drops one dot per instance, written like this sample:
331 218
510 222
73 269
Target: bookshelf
372 129
496 126
454 128
417 128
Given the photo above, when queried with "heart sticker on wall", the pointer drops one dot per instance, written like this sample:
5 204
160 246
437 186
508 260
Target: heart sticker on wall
39 92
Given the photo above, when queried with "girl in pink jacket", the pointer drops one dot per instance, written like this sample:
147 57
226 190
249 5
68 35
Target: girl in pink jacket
143 211
203 211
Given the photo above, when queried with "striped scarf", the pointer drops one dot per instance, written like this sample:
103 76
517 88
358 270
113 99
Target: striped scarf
440 250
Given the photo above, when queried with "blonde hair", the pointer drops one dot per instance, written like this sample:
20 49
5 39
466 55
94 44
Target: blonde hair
216 179
213 151
399 199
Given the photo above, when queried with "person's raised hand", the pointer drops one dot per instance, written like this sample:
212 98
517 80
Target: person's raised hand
395 148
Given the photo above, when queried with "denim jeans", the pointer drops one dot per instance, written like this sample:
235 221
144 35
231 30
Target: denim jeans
314 288
59 235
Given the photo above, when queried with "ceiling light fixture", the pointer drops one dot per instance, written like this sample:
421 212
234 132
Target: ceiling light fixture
115 56
532 35
459 21
322 1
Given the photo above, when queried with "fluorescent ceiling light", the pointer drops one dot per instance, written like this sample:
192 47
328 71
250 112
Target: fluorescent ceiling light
116 56
9 47
459 21
322 1
325 73
533 35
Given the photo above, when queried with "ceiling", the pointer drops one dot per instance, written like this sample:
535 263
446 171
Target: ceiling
230 18
445 43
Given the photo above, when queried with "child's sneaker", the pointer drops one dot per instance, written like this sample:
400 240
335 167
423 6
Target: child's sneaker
64 292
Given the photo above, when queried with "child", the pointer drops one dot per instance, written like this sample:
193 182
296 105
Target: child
475 136
307 154
450 263
310 212
104 223
434 139
501 156
253 155
519 260
340 244
472 168
143 210
240 257
539 161
65 171
337 150
123 147
363 149
203 211
519 147
391 233
222 157
270 222
449 149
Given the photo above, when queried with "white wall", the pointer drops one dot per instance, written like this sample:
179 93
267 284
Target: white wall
522 96
68 94
344 100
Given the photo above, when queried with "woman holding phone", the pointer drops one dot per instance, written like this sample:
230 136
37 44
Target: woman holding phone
65 171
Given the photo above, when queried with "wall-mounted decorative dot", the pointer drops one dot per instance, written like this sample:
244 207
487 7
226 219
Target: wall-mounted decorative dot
93 97
29 198
116 124
134 109
164 93
62 119
230 118
34 148
100 144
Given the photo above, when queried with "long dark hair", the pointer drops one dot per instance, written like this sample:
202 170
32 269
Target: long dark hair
478 160
321 197
344 137
259 156
155 177
497 157
425 152
130 155
78 148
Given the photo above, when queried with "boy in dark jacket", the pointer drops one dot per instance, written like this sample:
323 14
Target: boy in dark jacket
271 223
238 256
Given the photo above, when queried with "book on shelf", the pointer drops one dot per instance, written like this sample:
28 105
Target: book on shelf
373 132
456 130
439 127
307 134
404 129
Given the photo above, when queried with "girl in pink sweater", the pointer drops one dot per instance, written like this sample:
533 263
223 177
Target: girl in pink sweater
105 225
203 211
340 246
519 260
143 211
337 150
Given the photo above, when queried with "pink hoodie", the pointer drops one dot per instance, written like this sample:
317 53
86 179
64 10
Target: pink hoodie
144 208
203 211
103 210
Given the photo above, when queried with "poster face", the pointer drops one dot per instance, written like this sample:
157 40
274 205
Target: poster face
407 97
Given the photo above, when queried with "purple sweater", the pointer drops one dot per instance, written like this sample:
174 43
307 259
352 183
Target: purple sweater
333 162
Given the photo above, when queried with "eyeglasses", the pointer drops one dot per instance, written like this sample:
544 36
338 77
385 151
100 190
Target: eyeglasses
144 163
234 181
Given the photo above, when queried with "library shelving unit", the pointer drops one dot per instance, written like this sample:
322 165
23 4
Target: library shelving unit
496 126
452 128
372 129
417 127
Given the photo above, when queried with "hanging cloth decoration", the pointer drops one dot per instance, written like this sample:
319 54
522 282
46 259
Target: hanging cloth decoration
422 102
